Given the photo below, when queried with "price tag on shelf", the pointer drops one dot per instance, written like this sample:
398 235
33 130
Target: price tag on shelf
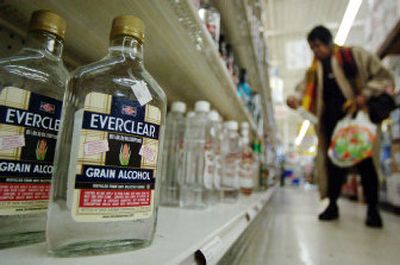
209 254
251 214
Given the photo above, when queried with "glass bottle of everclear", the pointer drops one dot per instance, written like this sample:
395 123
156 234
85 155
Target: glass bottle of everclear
32 85
230 179
105 190
173 155
194 158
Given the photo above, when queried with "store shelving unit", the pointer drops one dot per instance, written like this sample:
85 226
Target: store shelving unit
391 44
236 20
178 237
233 15
179 52
183 58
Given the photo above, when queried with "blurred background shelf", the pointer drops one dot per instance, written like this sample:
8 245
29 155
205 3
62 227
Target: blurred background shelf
179 52
178 237
245 36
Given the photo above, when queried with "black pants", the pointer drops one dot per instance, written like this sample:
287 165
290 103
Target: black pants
369 180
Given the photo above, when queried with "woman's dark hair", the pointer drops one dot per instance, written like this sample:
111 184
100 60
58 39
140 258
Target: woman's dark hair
320 33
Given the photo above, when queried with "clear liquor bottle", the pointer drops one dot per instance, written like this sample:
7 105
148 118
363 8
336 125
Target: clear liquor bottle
212 170
247 161
173 155
259 177
194 158
219 155
105 194
32 85
231 157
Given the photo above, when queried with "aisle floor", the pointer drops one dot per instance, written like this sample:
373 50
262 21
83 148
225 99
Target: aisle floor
292 235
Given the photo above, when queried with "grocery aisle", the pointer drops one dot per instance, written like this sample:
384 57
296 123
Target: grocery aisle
292 235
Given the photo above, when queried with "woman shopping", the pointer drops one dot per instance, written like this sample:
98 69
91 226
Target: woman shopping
339 75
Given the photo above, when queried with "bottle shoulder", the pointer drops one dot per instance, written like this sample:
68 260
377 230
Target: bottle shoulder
31 56
94 69
116 76
33 70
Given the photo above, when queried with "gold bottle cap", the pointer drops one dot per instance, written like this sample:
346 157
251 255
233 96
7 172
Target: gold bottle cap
128 25
48 21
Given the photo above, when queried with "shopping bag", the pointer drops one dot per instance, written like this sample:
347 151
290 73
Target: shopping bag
352 140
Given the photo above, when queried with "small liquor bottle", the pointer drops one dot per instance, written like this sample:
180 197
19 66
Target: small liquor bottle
105 194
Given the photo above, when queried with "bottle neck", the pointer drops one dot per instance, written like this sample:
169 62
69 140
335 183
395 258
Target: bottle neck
126 46
45 42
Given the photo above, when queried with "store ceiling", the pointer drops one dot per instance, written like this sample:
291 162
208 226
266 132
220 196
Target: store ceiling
289 21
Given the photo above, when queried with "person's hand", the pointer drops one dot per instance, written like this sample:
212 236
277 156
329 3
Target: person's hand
292 102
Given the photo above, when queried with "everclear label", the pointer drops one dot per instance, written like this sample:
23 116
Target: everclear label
29 124
115 169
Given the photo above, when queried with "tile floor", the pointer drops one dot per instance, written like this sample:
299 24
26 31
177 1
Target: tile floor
292 235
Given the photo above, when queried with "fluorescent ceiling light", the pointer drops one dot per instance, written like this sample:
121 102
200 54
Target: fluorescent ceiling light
302 133
347 21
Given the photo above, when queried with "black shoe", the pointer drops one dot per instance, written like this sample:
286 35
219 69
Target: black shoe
331 213
374 219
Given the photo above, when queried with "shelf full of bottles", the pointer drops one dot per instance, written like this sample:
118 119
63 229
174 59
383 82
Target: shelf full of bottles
180 52
242 20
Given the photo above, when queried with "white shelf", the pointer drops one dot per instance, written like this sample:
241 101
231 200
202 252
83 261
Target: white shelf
180 233
179 52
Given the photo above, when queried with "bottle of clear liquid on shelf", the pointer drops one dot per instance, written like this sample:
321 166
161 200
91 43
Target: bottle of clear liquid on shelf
256 167
219 160
212 19
212 186
105 189
259 177
193 185
247 161
32 85
173 155
231 157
